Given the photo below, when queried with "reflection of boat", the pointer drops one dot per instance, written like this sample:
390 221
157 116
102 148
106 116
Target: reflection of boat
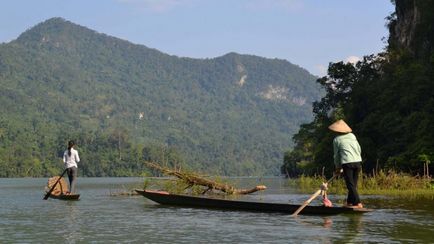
66 196
166 198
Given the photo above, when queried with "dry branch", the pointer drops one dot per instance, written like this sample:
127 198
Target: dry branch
192 179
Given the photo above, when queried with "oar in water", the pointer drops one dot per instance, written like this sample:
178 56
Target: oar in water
52 188
312 197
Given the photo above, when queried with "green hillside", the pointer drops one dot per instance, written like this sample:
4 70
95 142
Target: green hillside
123 103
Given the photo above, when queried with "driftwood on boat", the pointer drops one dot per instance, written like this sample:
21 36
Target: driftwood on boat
192 179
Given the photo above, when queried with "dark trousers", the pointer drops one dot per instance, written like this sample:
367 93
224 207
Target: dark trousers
351 176
72 176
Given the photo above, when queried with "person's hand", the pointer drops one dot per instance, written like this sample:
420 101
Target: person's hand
324 186
338 171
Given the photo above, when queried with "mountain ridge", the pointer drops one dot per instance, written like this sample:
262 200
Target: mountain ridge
233 114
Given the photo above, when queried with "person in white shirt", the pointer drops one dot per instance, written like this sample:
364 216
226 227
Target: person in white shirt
70 159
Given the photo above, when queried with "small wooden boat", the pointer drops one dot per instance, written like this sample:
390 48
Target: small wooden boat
59 189
166 198
66 196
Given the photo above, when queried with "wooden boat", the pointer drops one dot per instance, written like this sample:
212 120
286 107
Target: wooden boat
166 198
66 197
60 189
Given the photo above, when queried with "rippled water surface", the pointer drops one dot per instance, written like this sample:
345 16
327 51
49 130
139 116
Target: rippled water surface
101 218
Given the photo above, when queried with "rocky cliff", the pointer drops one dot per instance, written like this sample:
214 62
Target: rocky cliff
412 27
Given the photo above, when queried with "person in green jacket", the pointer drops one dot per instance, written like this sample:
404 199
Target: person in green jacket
347 157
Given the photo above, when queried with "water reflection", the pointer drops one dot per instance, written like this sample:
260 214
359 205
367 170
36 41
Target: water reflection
327 222
350 229
335 229
73 223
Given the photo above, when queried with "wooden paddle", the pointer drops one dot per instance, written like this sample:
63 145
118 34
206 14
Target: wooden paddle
52 188
311 198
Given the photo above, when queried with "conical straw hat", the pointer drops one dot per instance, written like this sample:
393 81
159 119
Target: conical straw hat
340 126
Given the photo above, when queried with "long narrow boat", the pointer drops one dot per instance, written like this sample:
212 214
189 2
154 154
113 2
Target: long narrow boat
166 198
70 197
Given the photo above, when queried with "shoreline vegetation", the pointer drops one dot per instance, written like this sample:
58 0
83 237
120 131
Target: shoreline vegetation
380 182
391 183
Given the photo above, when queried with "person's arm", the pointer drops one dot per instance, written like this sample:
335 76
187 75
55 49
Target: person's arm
336 155
360 149
77 158
64 157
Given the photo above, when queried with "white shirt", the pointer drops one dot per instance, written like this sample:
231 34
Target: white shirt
71 161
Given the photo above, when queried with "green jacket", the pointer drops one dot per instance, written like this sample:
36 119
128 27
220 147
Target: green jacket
346 149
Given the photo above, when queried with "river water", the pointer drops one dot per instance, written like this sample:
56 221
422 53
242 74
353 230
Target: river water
101 218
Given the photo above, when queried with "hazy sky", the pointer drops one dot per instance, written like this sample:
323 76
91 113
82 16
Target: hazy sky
308 33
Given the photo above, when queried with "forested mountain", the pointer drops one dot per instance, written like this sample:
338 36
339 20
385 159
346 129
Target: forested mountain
388 100
124 103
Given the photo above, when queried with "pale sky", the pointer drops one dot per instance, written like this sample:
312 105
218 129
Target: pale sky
308 33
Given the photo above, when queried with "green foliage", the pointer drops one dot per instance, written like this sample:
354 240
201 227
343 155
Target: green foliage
388 183
120 101
387 99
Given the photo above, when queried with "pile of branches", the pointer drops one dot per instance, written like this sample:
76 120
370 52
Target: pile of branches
192 179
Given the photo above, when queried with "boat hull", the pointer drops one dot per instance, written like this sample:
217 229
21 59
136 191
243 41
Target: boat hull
70 197
165 198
